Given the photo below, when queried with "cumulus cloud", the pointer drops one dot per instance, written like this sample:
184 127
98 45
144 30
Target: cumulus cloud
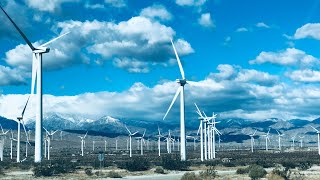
205 20
242 29
116 3
131 65
310 30
47 5
288 57
158 12
138 38
231 92
262 25
10 76
190 2
305 75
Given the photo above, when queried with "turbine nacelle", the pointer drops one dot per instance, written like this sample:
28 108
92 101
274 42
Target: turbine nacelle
41 50
182 82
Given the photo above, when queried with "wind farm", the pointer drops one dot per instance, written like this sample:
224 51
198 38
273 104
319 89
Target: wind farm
104 97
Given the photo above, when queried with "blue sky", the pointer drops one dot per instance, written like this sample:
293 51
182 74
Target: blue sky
251 59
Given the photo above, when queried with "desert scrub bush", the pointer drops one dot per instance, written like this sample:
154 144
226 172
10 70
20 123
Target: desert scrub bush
242 171
159 170
208 174
256 172
52 169
229 164
136 164
113 174
190 176
173 162
88 171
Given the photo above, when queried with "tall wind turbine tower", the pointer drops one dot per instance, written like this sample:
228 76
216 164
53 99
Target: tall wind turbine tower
37 53
318 132
279 139
252 139
180 91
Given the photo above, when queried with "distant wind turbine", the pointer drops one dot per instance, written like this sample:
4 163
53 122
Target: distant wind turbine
159 141
252 139
82 142
267 139
142 142
301 141
318 132
200 130
130 140
36 74
279 139
50 135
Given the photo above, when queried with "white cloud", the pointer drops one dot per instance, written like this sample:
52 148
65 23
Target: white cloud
94 6
156 12
205 20
190 2
305 75
262 25
138 38
242 29
116 3
288 57
10 76
132 65
47 5
310 30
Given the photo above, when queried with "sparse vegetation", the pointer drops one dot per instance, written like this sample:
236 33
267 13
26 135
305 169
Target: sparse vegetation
208 174
88 171
256 172
159 170
113 174
52 169
190 176
136 164
173 162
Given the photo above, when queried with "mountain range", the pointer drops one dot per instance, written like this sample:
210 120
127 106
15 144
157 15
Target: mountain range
236 129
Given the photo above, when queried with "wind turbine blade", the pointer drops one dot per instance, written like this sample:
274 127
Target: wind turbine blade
159 130
25 131
134 133
314 128
20 32
144 133
173 100
199 129
268 131
1 129
54 132
128 129
47 43
85 135
24 109
46 130
178 59
254 133
198 110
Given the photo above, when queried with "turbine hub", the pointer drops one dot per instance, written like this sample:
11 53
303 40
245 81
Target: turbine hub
182 82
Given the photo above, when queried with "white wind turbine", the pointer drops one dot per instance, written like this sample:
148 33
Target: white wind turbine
318 132
50 135
267 139
159 141
301 141
213 130
180 91
252 139
201 118
279 139
19 122
82 142
142 141
130 140
293 140
2 137
11 144
36 75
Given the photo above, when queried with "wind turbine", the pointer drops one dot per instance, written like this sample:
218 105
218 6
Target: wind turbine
19 122
82 142
252 139
130 140
201 118
301 141
318 132
11 144
37 53
180 91
159 141
50 135
267 138
293 138
279 139
213 130
142 141
2 135
105 145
